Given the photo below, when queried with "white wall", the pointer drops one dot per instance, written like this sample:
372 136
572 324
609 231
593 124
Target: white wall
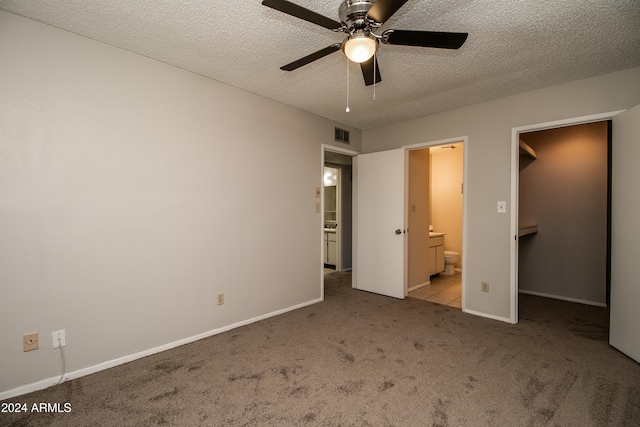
132 192
488 127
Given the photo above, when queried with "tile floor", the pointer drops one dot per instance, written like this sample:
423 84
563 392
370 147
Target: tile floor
445 290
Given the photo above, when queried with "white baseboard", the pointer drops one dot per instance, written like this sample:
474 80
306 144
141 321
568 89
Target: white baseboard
579 301
416 287
48 382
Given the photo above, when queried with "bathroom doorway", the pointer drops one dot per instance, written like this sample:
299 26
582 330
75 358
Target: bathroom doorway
435 222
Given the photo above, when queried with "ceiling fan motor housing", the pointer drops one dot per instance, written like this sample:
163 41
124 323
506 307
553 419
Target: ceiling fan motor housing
353 13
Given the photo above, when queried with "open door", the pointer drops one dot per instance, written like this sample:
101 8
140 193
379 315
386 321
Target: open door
624 328
379 232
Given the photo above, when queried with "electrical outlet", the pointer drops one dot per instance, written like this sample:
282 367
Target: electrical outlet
485 286
220 298
30 341
59 338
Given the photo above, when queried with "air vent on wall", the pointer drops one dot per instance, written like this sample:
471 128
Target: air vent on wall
341 135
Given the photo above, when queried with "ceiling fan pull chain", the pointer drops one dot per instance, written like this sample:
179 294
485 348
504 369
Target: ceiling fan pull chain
374 75
348 109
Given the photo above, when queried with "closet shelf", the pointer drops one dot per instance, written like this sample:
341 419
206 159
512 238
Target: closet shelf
525 230
524 148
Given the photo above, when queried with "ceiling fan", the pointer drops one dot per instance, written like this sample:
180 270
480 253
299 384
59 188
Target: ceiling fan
359 19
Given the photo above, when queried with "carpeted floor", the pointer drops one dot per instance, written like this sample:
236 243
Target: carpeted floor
360 359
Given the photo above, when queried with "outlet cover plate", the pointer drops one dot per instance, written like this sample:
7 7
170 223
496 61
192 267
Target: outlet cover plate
30 341
59 335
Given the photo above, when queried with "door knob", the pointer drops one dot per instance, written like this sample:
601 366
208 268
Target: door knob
398 231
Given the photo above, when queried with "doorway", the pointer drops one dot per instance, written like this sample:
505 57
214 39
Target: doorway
337 239
332 208
563 203
435 223
381 223
568 202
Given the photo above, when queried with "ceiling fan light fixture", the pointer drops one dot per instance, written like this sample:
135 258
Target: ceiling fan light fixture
360 47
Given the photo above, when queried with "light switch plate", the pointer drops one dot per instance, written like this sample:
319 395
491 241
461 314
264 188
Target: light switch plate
502 207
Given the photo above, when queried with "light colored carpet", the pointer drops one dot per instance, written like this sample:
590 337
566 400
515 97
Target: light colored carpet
360 359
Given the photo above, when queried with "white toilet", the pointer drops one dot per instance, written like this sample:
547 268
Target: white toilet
450 260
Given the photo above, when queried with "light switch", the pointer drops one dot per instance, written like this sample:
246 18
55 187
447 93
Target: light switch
502 207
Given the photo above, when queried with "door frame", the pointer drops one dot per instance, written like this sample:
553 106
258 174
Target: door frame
346 152
465 165
515 196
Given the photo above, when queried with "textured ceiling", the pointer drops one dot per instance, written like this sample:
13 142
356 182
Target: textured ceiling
513 46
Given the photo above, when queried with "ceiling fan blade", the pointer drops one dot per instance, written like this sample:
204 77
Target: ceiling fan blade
367 71
302 13
435 39
382 10
310 58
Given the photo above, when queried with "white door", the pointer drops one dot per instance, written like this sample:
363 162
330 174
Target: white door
624 328
380 223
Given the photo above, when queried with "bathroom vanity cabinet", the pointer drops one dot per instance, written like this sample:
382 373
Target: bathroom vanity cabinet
330 247
436 254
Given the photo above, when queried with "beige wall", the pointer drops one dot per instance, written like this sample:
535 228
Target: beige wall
564 192
488 127
418 250
446 195
131 193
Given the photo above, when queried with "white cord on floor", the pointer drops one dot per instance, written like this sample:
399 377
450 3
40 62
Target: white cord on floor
63 362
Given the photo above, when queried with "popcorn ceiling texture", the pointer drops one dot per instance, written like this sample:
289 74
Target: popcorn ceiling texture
513 46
